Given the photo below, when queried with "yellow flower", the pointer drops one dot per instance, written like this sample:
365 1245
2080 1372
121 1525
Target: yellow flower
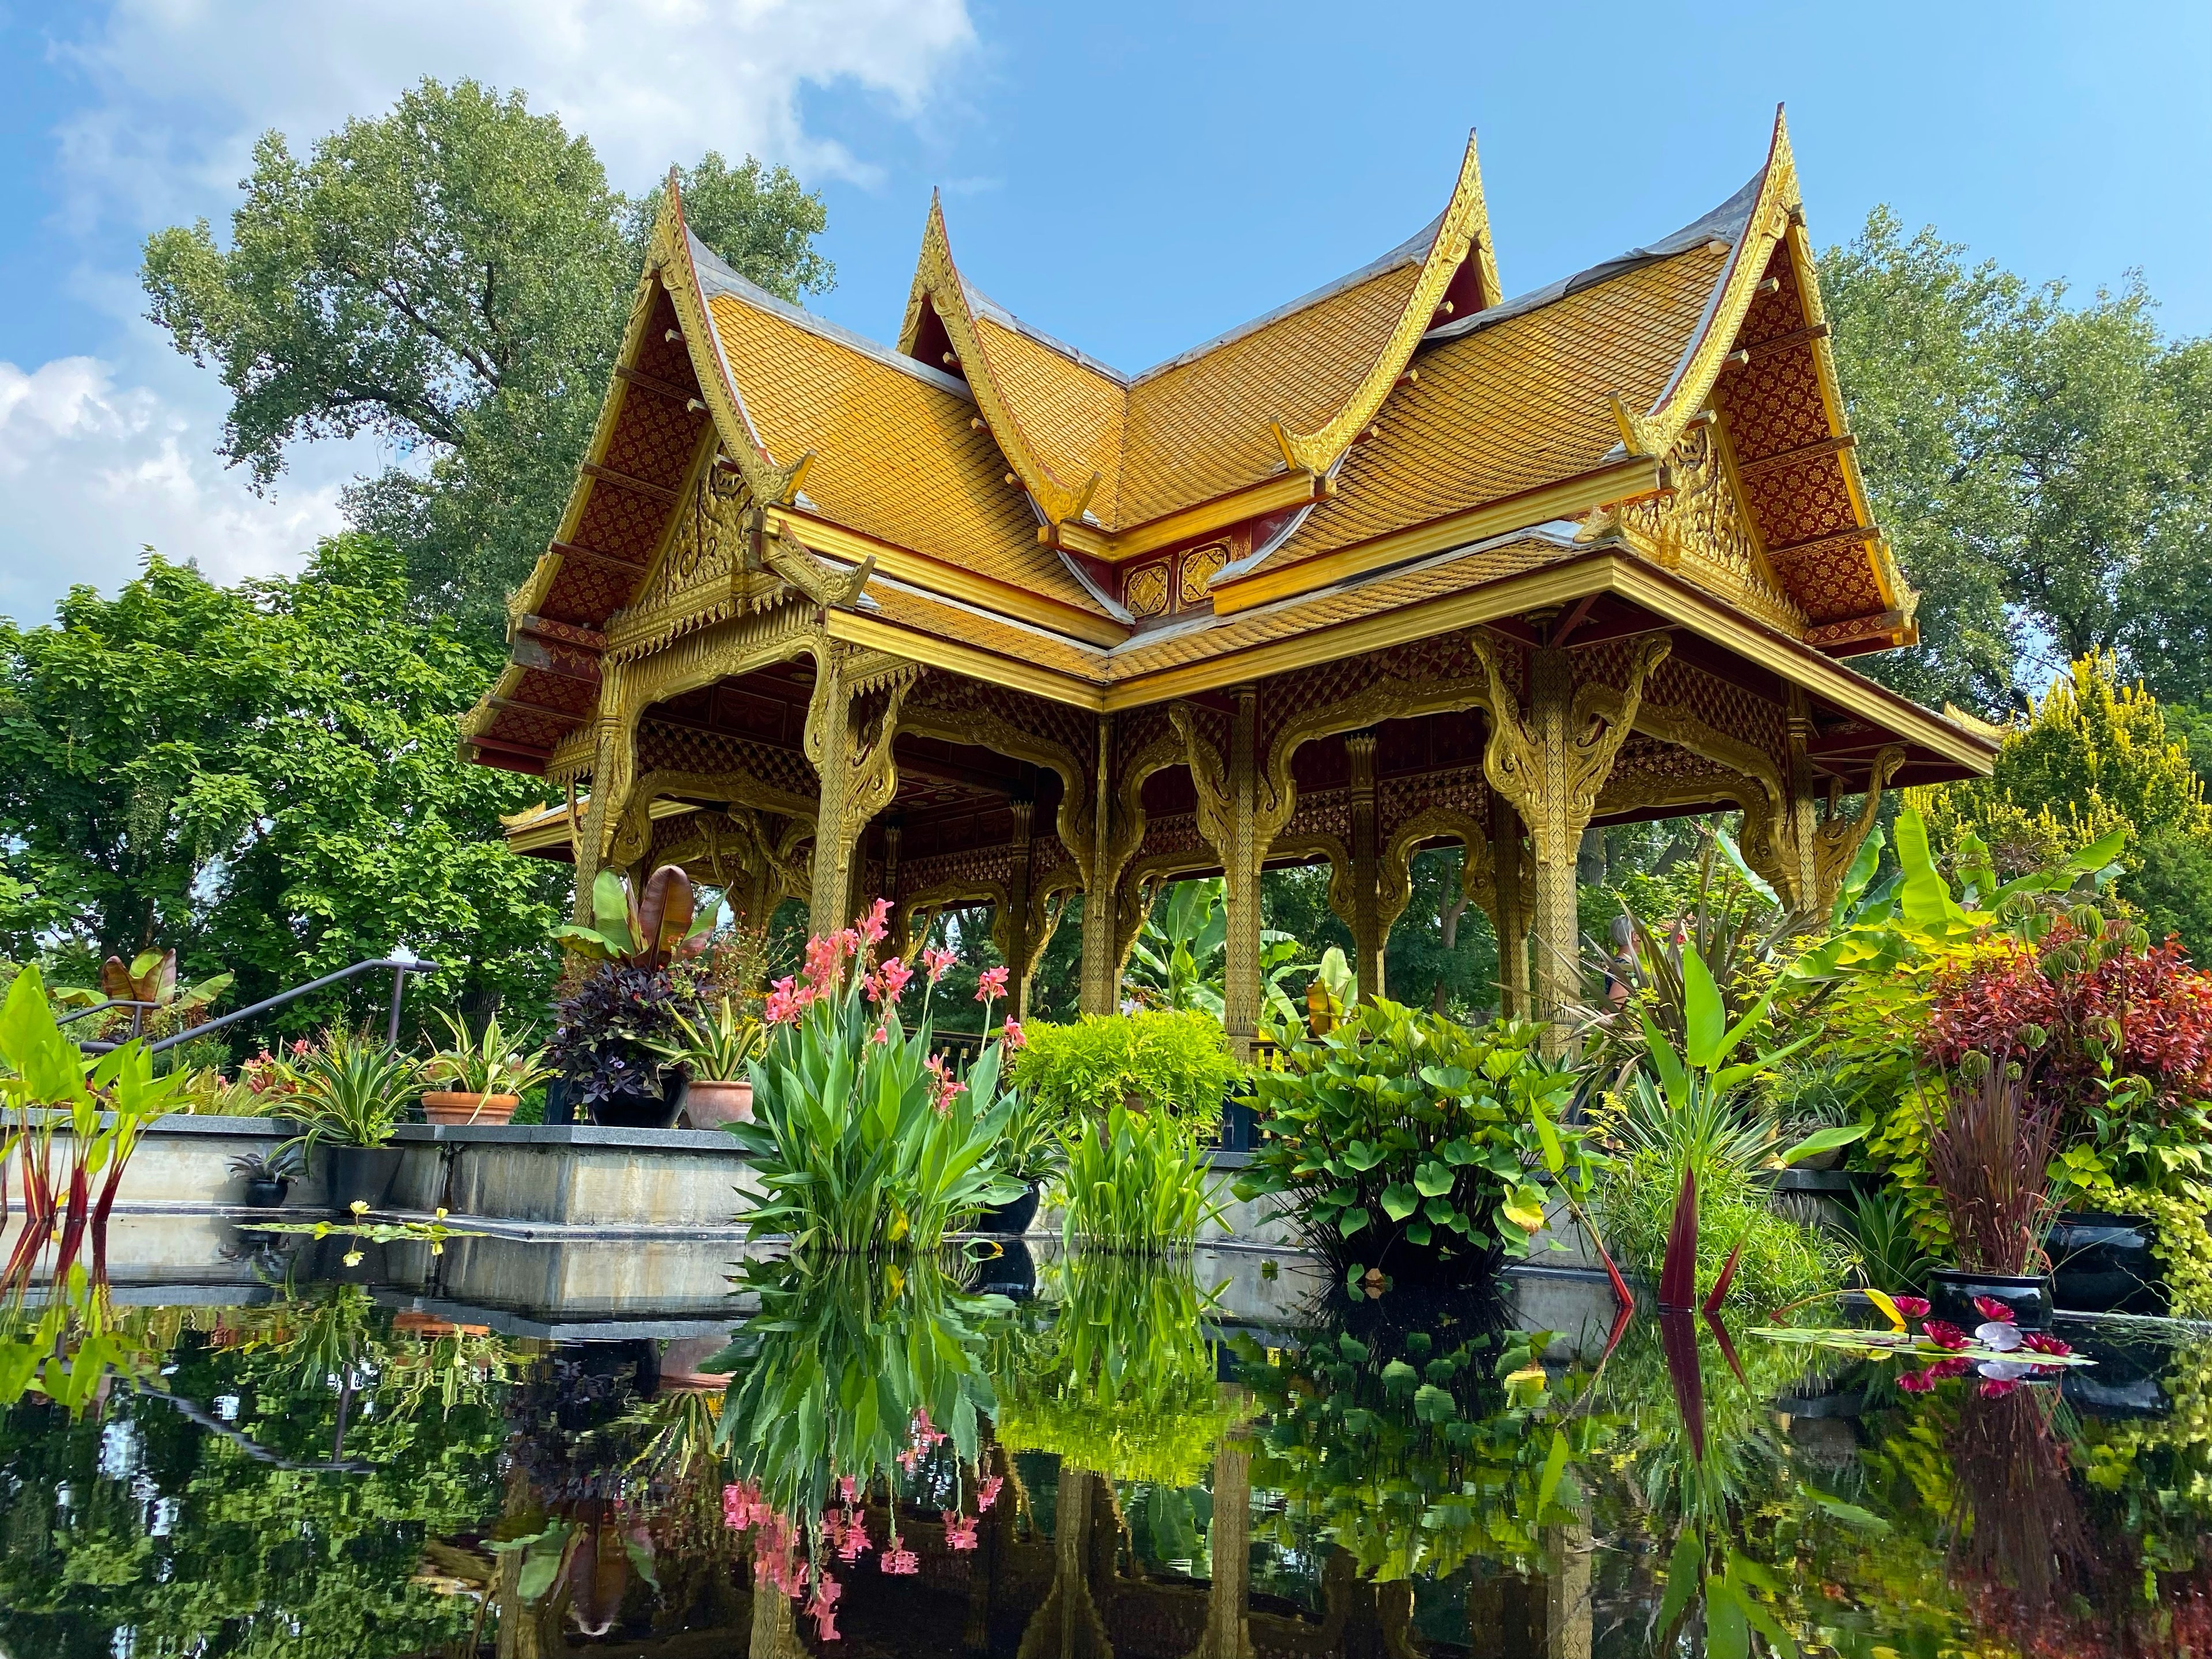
441 1212
359 1207
353 1258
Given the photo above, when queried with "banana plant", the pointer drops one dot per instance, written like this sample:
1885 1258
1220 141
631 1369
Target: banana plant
637 931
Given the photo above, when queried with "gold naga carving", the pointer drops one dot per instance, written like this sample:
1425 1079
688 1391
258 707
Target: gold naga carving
739 790
1394 869
1548 776
983 728
1343 897
1139 888
871 777
1697 525
757 859
728 649
1836 843
918 909
1769 838
1463 232
1048 902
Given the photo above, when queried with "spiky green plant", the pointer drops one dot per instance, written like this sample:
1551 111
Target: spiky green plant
1136 1183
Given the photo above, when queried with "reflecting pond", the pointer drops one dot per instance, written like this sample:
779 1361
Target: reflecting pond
901 1460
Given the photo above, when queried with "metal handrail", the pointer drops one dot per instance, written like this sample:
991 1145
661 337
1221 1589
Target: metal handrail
400 967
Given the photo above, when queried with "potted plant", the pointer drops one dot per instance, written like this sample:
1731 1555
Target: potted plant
714 1051
349 1097
267 1175
1988 1151
613 1028
1032 1153
485 1075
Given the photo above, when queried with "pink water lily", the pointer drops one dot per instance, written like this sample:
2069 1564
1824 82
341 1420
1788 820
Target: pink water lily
2038 1342
1912 1307
1990 1308
1944 1334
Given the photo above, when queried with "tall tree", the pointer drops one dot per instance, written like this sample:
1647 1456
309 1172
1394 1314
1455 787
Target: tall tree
2045 469
265 776
452 277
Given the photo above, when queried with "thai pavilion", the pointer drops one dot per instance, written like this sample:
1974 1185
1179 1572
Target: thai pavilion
975 619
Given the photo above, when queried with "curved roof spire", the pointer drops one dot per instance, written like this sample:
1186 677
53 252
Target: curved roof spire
939 293
1777 202
1464 229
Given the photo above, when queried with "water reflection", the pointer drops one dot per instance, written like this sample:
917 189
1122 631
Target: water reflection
897 1461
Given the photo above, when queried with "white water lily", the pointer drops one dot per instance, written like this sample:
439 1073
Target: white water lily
1999 1334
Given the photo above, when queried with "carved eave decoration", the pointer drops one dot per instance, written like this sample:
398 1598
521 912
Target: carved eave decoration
1464 231
937 290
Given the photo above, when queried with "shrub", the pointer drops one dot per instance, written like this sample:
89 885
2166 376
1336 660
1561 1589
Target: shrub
1783 1261
861 1140
1179 1061
612 1032
1404 1137
1135 1183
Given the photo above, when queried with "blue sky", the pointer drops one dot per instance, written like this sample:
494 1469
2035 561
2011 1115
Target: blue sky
1133 178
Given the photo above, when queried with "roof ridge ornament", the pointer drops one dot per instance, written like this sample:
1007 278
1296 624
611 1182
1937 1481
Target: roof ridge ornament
668 261
937 285
1654 432
1463 231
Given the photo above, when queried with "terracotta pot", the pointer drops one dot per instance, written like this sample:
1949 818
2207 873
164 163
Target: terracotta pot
708 1104
448 1106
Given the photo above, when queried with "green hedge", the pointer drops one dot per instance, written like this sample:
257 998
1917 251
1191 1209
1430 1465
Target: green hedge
1177 1062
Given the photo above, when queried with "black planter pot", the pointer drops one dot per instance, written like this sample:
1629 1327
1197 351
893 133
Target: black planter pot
266 1193
1011 1273
2102 1263
1014 1218
638 1111
1952 1291
361 1174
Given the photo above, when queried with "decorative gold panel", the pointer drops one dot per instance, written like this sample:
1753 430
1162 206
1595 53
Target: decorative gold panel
1146 592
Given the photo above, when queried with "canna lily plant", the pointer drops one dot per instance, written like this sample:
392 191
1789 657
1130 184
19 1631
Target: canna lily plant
863 1141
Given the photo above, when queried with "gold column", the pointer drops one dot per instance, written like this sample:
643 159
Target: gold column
1010 931
1229 1540
1240 857
1100 992
1567 1610
1509 913
1549 762
1370 933
858 778
614 766
1803 803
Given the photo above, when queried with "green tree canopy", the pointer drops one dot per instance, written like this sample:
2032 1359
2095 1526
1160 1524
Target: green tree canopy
2044 470
2096 755
452 277
265 776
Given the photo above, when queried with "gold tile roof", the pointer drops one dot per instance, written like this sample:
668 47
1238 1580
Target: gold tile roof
897 455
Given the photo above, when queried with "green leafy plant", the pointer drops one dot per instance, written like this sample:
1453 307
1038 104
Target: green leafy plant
1163 1060
1402 1138
1033 1151
1137 1182
718 1046
1123 1383
351 1091
1879 1227
861 1140
492 1061
1178 959
647 931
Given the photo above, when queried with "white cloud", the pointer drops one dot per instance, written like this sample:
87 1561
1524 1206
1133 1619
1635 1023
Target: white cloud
183 86
92 471
99 454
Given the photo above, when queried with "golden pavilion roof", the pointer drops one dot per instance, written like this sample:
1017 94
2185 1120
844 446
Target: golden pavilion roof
1406 447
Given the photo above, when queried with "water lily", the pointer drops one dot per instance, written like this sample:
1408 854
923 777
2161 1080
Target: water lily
2038 1342
1912 1307
1943 1333
1999 1334
1990 1308
2004 1370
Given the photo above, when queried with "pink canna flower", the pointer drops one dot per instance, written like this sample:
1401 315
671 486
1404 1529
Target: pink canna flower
898 1559
894 975
1990 1308
875 926
988 1493
848 1488
852 1536
939 963
742 1505
991 984
1011 1036
880 1035
959 1530
783 1004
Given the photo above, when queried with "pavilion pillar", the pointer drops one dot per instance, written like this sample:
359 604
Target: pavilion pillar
852 762
1804 800
1100 992
1551 759
1240 857
1009 929
614 767
1508 910
1228 1632
1370 930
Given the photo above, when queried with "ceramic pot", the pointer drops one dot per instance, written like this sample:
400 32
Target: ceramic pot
2102 1263
637 1111
266 1193
452 1106
708 1104
361 1172
1014 1218
1951 1291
